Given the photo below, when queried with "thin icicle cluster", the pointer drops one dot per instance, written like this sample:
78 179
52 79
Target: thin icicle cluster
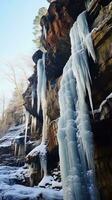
33 94
26 126
44 32
84 34
74 129
33 124
40 151
41 83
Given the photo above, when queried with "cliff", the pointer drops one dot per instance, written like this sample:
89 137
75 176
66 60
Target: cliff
56 25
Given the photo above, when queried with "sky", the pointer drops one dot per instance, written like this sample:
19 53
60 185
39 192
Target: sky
16 35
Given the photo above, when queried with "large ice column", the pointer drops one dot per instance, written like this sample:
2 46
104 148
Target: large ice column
74 129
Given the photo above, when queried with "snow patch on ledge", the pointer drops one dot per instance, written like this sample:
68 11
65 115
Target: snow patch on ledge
39 150
47 180
103 103
9 137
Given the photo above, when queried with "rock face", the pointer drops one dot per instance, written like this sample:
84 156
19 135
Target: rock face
56 25
103 44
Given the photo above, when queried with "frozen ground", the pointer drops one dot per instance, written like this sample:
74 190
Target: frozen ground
12 178
10 190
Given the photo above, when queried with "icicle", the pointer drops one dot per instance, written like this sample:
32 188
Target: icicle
26 127
84 34
33 95
43 159
33 124
39 82
44 102
44 32
80 62
75 39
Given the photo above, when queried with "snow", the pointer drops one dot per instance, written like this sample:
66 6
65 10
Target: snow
20 192
10 175
109 96
9 137
10 190
47 180
56 184
41 149
103 103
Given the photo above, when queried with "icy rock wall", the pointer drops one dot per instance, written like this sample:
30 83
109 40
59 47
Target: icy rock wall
74 129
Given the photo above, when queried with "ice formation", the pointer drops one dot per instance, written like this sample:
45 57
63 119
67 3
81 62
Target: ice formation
9 189
33 124
41 94
33 95
26 126
44 32
74 128
84 34
40 151
39 82
41 101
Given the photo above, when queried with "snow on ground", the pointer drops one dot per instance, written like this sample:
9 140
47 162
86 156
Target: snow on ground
11 177
20 192
10 190
13 132
47 180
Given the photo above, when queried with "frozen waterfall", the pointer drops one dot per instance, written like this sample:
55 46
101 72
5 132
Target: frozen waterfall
74 129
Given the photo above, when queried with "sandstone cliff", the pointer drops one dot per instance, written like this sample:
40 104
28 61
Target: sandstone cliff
57 23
